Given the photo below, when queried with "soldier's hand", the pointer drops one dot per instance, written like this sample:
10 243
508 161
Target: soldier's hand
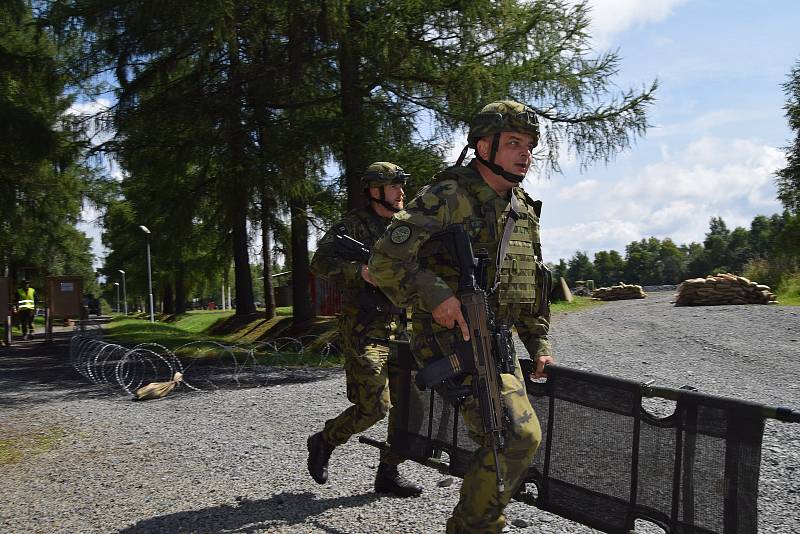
448 314
368 278
541 361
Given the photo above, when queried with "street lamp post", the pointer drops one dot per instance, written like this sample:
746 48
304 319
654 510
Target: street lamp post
117 284
149 273
124 293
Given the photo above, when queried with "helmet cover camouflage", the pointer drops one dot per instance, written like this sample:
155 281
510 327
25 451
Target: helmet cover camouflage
503 116
383 173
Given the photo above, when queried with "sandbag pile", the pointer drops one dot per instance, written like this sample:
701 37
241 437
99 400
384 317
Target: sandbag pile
722 289
621 291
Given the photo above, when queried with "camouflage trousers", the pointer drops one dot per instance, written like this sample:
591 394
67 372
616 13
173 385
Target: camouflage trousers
480 507
372 373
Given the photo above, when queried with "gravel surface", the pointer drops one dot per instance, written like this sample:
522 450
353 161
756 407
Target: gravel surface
234 460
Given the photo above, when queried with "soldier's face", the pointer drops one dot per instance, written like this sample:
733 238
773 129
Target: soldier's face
513 153
394 194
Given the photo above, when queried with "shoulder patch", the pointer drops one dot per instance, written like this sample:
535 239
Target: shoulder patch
400 234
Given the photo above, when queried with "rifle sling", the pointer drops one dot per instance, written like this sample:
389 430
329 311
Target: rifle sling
511 221
440 369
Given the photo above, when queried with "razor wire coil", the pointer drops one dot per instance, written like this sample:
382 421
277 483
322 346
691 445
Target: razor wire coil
206 365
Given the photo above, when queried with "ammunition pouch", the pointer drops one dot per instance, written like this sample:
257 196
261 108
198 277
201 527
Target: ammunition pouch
372 304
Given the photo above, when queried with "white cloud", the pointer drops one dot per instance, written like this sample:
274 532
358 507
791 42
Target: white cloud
90 224
708 168
584 190
674 197
610 17
563 241
92 112
89 107
706 123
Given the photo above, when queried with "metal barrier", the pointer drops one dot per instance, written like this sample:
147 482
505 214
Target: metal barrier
605 460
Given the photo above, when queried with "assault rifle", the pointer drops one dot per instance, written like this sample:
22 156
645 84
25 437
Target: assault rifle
351 248
476 354
373 297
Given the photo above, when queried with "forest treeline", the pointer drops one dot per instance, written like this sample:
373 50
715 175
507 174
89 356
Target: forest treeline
236 129
767 252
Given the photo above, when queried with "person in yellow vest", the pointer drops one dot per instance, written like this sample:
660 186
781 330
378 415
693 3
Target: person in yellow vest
26 297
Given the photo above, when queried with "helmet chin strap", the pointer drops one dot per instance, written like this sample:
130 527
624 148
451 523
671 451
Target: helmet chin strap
500 171
385 204
382 201
491 165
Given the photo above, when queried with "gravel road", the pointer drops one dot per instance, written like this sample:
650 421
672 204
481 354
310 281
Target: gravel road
234 460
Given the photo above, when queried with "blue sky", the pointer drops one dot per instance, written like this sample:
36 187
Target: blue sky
718 126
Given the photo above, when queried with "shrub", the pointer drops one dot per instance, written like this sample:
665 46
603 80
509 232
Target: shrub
789 289
763 271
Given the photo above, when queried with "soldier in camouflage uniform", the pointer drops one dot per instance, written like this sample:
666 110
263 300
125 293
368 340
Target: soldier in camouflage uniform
367 320
414 267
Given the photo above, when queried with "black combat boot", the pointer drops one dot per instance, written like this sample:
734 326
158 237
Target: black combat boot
388 480
319 452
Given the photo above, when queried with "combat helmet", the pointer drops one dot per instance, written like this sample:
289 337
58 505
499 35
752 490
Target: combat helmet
380 174
495 118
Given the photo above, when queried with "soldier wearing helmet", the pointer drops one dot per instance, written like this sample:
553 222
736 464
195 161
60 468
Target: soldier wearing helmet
413 266
366 321
383 184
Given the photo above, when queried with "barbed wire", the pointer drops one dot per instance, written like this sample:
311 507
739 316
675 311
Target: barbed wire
206 365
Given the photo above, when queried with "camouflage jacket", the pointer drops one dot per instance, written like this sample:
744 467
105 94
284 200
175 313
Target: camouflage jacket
415 268
330 263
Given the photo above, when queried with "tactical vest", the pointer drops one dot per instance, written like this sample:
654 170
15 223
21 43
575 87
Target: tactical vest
26 298
517 280
371 310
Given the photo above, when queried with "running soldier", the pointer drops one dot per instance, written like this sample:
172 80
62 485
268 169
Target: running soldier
414 266
366 322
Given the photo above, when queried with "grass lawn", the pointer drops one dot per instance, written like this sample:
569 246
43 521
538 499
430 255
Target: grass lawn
226 328
789 291
789 299
217 326
578 303
171 335
198 321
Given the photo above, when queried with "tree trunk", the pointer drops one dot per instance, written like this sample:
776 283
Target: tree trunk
245 304
302 310
267 206
180 290
239 187
353 154
168 301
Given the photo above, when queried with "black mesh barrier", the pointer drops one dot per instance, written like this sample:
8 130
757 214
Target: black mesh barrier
604 460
